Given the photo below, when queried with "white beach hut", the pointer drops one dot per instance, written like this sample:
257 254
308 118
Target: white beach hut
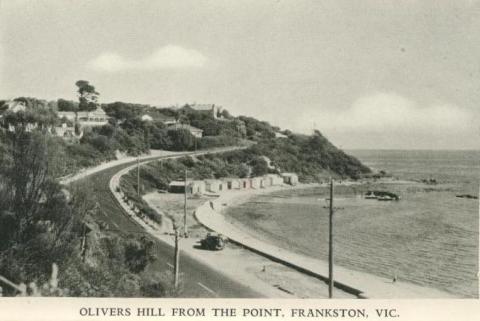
214 185
232 183
290 178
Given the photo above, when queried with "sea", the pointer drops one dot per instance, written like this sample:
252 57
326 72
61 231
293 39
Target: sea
430 237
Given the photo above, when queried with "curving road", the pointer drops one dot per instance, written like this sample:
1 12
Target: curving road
198 280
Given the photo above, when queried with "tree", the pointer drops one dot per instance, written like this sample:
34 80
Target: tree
181 139
87 95
259 166
66 105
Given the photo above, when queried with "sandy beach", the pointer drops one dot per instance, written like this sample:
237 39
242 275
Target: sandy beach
265 276
254 268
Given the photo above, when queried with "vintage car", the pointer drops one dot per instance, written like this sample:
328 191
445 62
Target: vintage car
213 241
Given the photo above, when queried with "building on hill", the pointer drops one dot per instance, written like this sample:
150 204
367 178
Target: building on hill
94 118
146 117
67 132
196 132
16 105
168 120
215 110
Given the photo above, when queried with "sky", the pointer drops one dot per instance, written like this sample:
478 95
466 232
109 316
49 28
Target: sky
367 74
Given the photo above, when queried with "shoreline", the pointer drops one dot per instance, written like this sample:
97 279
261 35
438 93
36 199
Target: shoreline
383 287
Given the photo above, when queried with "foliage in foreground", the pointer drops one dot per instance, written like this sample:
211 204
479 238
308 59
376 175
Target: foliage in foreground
43 224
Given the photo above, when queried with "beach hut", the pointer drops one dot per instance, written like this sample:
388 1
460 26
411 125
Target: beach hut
197 187
214 185
275 179
254 182
232 183
290 178
244 183
264 183
177 187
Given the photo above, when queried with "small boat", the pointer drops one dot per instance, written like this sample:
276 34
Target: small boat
371 195
385 198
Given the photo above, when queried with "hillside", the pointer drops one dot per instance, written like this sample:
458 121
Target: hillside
41 223
135 129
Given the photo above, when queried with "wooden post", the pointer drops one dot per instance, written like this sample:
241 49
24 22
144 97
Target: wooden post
330 244
176 261
185 228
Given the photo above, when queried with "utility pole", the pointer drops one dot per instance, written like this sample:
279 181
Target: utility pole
330 244
185 229
176 261
138 176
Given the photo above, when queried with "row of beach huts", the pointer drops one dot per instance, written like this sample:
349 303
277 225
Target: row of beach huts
225 184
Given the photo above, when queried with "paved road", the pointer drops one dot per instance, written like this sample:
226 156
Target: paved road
198 279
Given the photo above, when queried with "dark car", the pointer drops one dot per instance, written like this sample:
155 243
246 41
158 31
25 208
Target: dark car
213 242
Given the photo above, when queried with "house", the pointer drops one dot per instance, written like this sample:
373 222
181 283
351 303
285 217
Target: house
212 108
274 179
214 185
232 183
196 132
167 120
290 178
280 135
67 132
93 118
16 105
146 118
178 187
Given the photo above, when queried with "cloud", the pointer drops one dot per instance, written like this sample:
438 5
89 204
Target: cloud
390 112
167 57
389 120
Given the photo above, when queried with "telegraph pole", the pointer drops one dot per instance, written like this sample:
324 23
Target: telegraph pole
185 229
176 261
330 244
138 176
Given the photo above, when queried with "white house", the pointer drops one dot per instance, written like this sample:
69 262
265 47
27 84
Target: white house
214 109
93 118
146 118
67 132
